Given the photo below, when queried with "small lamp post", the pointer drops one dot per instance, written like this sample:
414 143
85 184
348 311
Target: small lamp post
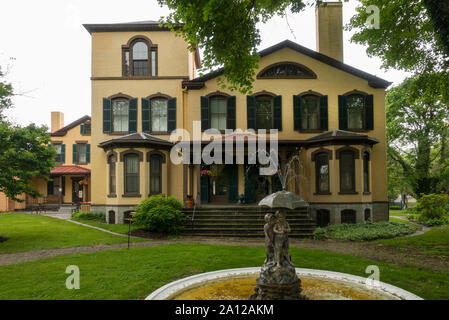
130 220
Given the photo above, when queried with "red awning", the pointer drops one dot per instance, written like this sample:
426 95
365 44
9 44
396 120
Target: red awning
70 170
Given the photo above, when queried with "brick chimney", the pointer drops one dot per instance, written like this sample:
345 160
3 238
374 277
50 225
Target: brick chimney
329 29
57 120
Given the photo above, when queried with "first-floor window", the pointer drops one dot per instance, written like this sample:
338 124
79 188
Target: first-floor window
322 173
132 173
159 115
347 171
155 174
112 178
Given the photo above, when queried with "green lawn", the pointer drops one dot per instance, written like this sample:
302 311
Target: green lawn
398 213
118 228
135 273
434 241
405 222
28 232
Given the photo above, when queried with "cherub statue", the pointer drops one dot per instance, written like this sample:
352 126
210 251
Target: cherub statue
270 220
281 244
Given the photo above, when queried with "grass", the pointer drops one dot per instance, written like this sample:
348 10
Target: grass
392 219
118 228
28 232
401 213
435 242
135 273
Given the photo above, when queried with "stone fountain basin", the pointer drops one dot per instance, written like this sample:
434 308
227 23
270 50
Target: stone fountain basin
382 291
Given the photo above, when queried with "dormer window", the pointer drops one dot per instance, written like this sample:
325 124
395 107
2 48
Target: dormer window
139 58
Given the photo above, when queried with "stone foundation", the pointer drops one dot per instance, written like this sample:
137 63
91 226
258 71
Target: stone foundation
118 212
374 212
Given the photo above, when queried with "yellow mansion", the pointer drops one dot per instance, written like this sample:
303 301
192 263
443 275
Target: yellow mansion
330 119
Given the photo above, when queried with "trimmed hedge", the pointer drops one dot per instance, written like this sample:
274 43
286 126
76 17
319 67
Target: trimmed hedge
94 216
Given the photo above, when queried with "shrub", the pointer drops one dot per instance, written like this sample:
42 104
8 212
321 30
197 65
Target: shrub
365 231
96 216
431 222
160 214
432 206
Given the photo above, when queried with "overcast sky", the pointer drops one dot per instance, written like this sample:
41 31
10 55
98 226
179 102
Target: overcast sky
51 49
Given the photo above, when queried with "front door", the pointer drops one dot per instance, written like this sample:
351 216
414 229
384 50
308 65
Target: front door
77 190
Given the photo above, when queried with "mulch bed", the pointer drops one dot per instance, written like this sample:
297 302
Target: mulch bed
3 239
150 235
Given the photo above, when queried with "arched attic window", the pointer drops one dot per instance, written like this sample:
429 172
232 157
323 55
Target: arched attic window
286 70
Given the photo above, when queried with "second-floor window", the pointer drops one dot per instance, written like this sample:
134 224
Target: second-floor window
81 153
355 105
120 115
310 112
356 111
218 113
159 114
264 112
60 153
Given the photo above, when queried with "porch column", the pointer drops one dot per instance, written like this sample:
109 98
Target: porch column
184 180
191 180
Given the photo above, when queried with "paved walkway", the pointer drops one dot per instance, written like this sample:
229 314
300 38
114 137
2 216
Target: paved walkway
423 229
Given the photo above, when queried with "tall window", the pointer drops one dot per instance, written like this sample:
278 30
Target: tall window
366 172
131 174
310 112
322 173
155 174
60 153
82 153
264 112
347 172
140 59
112 174
218 112
356 111
159 115
120 115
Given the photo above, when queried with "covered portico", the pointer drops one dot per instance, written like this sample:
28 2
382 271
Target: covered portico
68 184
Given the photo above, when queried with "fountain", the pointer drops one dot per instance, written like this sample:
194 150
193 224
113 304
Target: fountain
278 279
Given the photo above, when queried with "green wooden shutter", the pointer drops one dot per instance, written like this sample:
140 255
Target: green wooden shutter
63 153
251 112
75 154
87 153
50 188
231 117
250 177
324 122
132 125
205 114
146 123
204 181
369 103
342 113
277 113
82 129
233 171
107 113
297 120
63 185
171 111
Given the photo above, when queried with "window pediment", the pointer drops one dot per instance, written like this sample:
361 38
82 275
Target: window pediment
286 70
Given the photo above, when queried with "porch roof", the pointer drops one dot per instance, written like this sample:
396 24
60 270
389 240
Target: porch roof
68 170
138 139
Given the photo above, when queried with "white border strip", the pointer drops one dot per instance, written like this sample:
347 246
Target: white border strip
172 288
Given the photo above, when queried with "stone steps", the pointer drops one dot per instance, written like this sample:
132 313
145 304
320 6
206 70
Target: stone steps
242 222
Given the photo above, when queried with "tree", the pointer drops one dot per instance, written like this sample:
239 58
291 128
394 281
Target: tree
412 34
227 31
24 151
417 127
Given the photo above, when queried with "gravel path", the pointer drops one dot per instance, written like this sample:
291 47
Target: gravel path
423 229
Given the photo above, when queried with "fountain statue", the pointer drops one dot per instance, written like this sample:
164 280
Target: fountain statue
278 279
